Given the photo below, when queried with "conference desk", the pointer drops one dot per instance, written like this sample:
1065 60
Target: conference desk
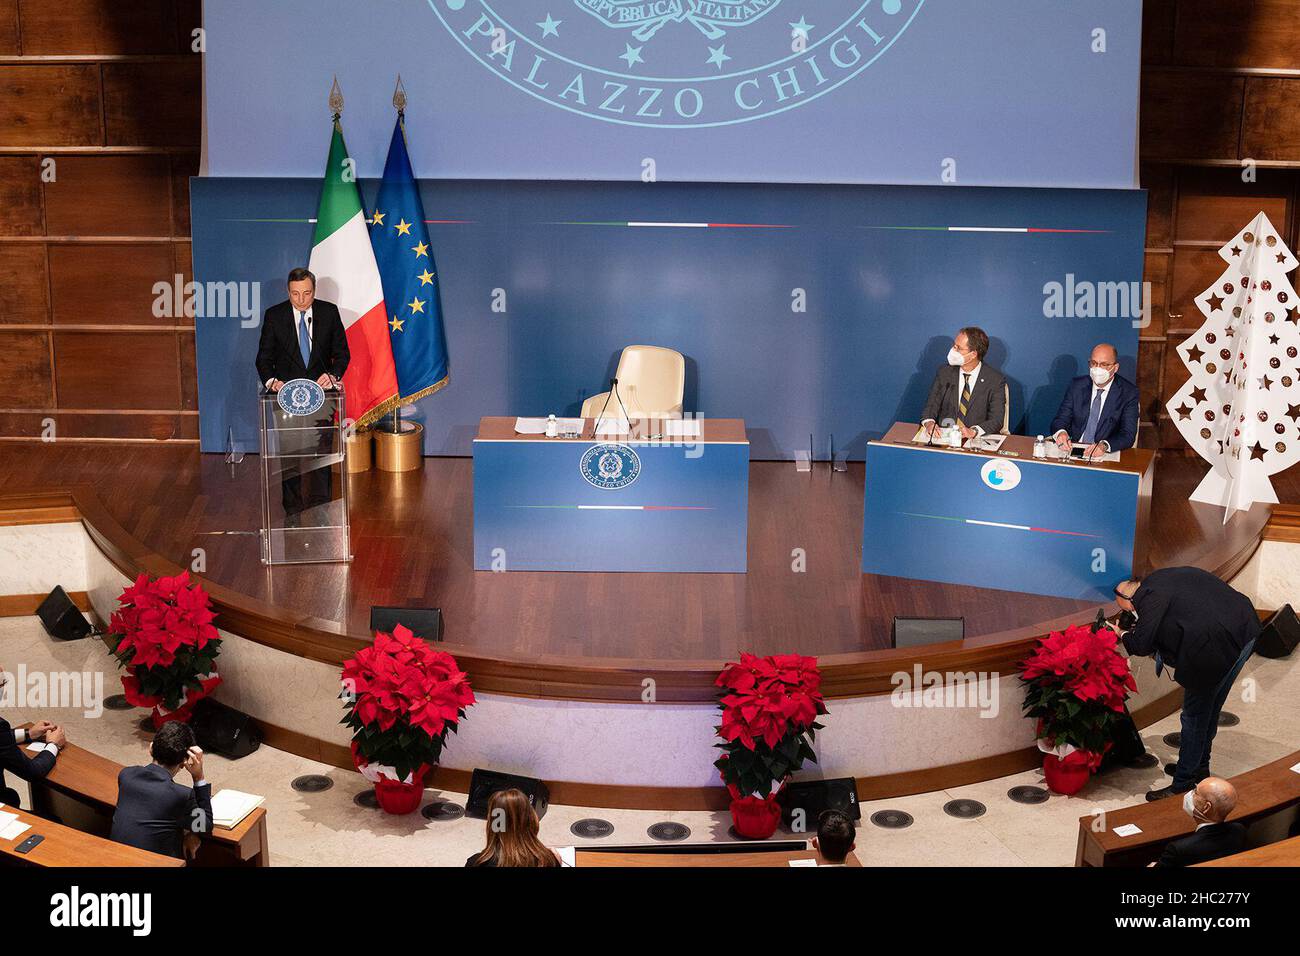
82 789
643 501
1004 519
604 858
64 846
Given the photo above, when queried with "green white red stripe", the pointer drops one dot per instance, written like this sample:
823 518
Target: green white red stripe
347 275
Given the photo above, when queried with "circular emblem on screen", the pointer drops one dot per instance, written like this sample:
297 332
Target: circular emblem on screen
676 63
1000 475
610 466
301 396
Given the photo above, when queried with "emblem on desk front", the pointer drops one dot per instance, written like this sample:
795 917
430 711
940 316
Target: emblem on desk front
1000 475
301 397
609 466
676 63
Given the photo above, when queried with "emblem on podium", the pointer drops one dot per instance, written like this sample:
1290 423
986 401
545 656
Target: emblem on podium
301 396
609 466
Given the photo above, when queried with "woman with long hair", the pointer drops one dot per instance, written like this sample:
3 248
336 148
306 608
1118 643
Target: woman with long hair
512 834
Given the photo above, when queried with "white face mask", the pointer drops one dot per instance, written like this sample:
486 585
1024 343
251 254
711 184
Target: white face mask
956 358
1189 803
1099 375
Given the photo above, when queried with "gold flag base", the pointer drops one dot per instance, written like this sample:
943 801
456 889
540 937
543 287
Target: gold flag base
360 454
400 451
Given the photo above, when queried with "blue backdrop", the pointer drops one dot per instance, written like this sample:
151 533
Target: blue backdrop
884 281
1012 92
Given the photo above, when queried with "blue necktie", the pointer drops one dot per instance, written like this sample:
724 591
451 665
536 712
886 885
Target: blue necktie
304 343
1090 430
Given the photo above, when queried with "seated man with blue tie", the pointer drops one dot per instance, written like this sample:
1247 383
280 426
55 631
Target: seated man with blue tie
302 337
1100 409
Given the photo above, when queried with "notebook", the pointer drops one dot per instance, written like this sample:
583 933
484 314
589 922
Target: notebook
229 807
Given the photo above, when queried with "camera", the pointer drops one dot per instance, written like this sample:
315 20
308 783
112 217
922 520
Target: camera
1127 620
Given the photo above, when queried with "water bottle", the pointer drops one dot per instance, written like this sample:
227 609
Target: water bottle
552 427
1040 449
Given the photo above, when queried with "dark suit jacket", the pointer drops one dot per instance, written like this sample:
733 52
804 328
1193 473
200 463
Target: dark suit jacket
153 810
1198 623
278 355
16 762
988 400
1208 843
1118 425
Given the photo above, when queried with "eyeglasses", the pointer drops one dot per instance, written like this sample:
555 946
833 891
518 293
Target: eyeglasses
1103 364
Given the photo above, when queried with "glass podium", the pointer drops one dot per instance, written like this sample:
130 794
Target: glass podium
304 482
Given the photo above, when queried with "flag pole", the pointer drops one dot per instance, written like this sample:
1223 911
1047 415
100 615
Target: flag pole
399 103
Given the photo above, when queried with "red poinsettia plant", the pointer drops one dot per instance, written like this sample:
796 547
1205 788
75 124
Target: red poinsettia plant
1077 682
769 710
165 639
401 698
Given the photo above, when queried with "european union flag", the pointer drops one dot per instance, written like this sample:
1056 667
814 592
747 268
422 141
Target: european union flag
401 242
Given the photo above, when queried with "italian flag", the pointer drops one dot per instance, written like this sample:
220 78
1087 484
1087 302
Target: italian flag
347 275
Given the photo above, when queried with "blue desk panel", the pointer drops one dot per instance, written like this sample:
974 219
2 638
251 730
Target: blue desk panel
931 515
687 510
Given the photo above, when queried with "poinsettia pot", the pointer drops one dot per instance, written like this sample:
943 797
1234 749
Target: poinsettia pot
1069 774
755 817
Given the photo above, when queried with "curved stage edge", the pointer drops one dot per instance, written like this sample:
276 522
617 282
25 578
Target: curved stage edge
561 718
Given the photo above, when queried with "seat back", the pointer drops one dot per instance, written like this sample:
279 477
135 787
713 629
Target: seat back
651 381
1006 409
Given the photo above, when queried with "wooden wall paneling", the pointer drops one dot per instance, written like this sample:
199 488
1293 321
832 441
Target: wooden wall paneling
1158 31
1156 272
155 103
1243 34
98 27
189 374
1189 115
1214 204
1158 180
109 196
20 196
108 283
49 105
112 426
1270 128
183 265
1193 271
23 284
189 17
25 380
129 370
8 27
184 166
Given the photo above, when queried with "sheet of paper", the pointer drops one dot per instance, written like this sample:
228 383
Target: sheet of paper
1295 769
612 426
803 862
683 427
1127 830
986 442
14 829
530 426
568 855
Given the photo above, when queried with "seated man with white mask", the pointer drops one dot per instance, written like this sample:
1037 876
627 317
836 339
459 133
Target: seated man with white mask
1100 409
966 392
1208 805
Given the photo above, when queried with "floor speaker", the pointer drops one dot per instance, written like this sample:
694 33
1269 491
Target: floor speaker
484 783
1280 635
815 797
223 730
61 618
423 622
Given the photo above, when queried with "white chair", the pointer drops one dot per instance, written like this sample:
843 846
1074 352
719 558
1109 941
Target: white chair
651 381
1006 408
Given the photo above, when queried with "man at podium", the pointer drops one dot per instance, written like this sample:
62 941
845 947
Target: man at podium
302 337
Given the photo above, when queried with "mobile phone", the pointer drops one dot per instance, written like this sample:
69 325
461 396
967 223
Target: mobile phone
29 844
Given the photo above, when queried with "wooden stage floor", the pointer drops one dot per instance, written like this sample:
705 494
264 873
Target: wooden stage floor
412 542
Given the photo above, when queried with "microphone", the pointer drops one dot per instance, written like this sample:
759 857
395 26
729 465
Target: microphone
942 396
613 387
608 395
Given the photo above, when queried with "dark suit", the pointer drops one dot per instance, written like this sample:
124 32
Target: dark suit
154 811
16 762
278 353
988 400
1118 424
1206 631
280 356
1210 842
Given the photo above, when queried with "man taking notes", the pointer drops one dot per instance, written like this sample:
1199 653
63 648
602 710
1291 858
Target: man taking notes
1100 409
966 391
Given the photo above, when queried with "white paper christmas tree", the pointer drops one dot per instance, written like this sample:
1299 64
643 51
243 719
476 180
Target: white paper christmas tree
1241 408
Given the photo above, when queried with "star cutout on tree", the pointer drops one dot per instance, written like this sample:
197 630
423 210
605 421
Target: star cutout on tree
1194 354
1257 452
1183 411
1281 257
1272 339
1294 315
1198 395
1293 412
1236 250
1215 302
1265 382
